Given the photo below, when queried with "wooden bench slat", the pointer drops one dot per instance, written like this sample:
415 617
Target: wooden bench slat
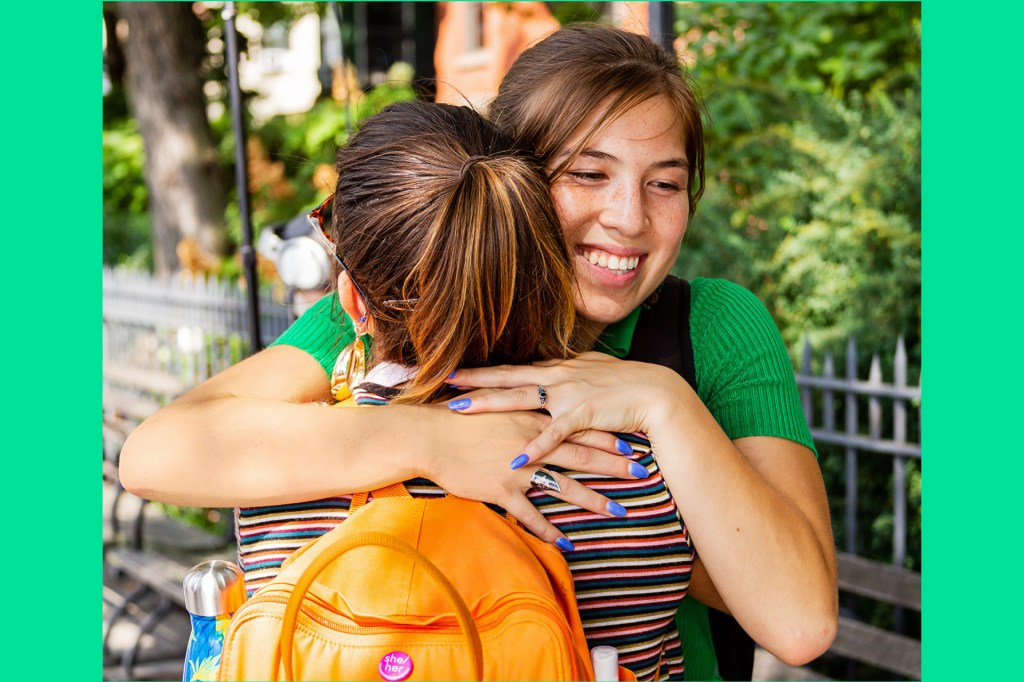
161 574
878 647
882 582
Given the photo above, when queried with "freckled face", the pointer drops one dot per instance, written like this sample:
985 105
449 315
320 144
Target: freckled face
624 208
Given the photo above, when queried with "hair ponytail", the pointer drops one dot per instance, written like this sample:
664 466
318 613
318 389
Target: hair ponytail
494 283
460 221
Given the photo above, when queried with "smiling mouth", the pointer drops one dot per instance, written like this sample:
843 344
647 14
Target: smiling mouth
611 262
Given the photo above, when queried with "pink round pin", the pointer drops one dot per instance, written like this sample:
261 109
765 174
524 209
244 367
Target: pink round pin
395 667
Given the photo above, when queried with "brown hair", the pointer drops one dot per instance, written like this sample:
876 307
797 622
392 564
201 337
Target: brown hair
437 205
555 85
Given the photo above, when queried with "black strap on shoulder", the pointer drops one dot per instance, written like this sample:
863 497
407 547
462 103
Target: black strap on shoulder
662 335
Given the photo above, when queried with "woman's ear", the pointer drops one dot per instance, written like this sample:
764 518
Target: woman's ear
352 303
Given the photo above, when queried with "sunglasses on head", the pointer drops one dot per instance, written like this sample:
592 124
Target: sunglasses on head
320 219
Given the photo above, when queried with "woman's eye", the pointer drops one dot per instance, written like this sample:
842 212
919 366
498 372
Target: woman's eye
586 176
666 186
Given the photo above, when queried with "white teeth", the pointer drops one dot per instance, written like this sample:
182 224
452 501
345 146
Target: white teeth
617 263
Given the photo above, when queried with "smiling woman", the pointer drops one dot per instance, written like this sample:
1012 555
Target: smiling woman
624 207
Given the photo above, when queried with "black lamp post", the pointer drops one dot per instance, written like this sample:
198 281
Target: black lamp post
241 177
661 16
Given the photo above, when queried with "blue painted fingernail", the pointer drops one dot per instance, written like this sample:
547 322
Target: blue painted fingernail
616 508
638 470
519 461
623 447
564 545
460 404
452 375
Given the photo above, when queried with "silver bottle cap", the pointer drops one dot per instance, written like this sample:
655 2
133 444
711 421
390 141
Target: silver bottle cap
213 588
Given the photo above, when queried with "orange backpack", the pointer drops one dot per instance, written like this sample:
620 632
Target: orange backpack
412 588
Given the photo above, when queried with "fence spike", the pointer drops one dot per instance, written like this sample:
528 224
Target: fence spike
900 363
874 403
828 406
875 374
851 359
850 465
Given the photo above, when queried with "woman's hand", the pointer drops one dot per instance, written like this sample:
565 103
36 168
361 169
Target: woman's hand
593 391
476 466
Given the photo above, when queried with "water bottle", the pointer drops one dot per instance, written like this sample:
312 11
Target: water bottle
213 592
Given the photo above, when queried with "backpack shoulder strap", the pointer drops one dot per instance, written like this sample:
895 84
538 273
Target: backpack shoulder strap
662 334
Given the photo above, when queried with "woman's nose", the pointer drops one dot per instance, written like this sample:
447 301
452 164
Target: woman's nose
624 210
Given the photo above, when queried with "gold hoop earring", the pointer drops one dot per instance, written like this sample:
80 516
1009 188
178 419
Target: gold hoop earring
350 367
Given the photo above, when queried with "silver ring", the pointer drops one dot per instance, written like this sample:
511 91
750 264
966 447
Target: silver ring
543 480
542 393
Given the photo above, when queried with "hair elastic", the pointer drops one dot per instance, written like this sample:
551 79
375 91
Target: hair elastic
468 163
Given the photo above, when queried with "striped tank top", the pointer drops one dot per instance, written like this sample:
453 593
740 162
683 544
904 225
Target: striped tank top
629 573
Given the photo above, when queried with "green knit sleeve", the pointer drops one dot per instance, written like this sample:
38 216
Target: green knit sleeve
695 638
322 331
744 374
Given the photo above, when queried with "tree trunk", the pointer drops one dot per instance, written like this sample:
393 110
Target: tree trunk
165 94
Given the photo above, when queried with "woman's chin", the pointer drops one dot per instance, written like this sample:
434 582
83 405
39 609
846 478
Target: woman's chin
603 311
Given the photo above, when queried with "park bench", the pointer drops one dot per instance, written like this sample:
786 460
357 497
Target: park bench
860 642
144 549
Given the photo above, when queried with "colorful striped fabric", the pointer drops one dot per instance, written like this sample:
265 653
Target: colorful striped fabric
630 573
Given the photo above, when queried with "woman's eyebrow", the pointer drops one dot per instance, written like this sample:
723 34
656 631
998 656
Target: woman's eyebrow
588 153
673 163
592 153
597 154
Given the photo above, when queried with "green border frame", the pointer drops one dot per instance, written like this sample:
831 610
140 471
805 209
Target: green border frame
52 227
972 243
972 155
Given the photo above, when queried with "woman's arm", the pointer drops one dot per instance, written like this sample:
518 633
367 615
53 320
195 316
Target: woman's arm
262 433
702 589
756 507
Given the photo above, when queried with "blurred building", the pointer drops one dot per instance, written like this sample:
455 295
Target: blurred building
456 52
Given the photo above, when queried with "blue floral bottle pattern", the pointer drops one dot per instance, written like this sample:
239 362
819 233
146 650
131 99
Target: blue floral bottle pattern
213 592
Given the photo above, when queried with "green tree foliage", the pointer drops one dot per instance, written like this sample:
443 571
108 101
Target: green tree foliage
568 12
305 143
126 229
292 149
813 196
813 201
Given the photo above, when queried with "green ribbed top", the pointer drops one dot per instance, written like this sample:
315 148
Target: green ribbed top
744 374
322 331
